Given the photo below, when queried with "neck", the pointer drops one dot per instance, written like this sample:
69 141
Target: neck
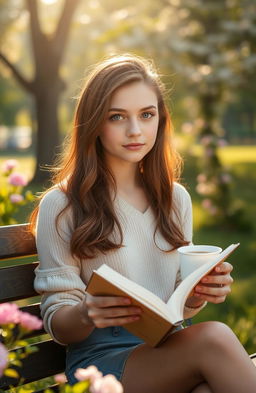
127 177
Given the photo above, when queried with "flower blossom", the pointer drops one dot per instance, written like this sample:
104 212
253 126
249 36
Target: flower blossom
206 203
3 358
60 378
107 384
29 322
90 373
8 165
201 178
207 140
17 179
222 142
9 313
205 188
16 198
225 178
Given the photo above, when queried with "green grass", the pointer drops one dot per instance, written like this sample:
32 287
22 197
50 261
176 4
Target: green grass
239 310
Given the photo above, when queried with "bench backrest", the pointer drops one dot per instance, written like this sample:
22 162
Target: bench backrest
16 283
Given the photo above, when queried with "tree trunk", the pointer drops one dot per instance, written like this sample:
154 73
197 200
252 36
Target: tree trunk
46 86
47 141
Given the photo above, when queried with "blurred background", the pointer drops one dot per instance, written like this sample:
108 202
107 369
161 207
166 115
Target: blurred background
205 51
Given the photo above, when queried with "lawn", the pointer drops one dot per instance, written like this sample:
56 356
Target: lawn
239 311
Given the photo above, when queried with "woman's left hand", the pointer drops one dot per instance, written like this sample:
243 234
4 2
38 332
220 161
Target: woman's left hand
216 285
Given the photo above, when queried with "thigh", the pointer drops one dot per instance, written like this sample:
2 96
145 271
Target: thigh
172 367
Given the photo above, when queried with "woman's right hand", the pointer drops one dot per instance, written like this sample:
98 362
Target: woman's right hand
106 311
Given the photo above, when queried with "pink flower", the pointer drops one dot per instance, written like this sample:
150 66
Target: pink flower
206 140
60 378
3 358
206 203
9 313
90 373
225 178
107 384
222 142
17 179
16 198
201 178
30 322
187 128
8 165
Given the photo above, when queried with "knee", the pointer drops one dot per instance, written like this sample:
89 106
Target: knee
216 335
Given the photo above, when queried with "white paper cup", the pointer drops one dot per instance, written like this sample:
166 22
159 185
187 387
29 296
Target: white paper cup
192 257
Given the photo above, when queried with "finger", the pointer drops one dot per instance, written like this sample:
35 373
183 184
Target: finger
213 291
106 301
224 279
211 299
113 312
102 323
224 267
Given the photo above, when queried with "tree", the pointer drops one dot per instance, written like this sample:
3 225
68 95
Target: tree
46 85
205 50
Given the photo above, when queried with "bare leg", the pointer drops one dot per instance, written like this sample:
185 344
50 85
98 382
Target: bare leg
208 352
202 388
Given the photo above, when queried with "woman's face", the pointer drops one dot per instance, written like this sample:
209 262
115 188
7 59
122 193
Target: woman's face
130 129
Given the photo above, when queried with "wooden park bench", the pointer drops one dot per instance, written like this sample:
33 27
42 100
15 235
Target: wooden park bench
16 284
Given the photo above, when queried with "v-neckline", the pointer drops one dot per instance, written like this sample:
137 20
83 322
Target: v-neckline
131 207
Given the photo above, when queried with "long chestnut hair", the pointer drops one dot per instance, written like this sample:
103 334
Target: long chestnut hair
82 174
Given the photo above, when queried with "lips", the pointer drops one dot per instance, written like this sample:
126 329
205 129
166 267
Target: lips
134 145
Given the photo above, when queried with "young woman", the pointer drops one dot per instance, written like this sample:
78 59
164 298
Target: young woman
115 200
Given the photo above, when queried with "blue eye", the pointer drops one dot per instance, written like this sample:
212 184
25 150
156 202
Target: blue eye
115 117
147 115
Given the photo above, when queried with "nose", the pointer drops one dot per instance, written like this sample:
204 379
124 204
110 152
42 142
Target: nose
133 128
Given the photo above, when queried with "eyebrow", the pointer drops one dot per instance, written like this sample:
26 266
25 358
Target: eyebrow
124 110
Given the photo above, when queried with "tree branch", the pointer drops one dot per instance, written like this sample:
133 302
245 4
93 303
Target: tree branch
28 85
60 36
37 37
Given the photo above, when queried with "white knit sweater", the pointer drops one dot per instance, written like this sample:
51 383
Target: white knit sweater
61 278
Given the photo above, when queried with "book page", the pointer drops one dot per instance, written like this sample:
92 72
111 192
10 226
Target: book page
140 293
177 301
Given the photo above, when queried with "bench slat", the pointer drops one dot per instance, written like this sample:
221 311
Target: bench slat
16 241
16 282
47 361
54 388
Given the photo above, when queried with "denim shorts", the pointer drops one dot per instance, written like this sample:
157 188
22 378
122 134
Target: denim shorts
108 349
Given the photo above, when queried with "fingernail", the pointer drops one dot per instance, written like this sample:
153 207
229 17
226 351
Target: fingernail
127 301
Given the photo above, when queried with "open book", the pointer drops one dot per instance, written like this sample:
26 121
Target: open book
158 318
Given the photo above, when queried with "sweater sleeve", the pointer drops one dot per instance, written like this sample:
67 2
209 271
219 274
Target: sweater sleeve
58 274
185 203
